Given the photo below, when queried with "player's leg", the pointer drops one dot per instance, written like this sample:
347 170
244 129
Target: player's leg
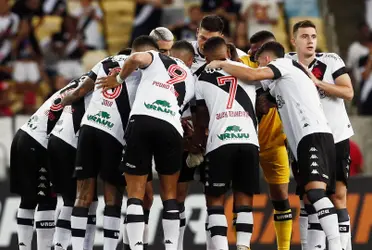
168 150
186 176
44 220
86 170
90 232
217 183
114 184
339 199
245 183
274 163
316 172
136 165
27 191
147 203
61 165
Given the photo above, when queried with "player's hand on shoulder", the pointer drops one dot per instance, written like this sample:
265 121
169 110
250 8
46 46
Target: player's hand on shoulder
108 82
214 65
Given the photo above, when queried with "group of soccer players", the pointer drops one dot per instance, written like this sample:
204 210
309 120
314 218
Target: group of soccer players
183 108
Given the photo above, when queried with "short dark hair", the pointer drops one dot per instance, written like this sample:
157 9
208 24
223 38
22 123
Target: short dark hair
212 23
233 52
214 43
273 47
144 40
184 45
303 24
261 36
125 51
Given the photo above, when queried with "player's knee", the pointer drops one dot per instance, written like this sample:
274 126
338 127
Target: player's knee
282 205
27 203
313 195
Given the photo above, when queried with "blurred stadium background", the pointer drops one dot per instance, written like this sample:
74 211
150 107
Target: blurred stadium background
46 43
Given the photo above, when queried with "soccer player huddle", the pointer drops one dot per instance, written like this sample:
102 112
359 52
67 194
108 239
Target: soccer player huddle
187 109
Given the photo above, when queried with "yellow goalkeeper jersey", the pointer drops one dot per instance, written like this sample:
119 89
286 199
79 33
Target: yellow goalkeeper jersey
270 131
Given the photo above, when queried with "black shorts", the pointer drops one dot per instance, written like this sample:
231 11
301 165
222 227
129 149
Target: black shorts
316 159
146 137
343 161
233 164
98 153
186 173
61 165
29 175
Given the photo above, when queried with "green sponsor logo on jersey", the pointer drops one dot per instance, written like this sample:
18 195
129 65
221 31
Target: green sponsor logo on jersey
161 106
102 118
232 132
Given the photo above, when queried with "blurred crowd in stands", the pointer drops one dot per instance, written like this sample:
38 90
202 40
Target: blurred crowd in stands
34 64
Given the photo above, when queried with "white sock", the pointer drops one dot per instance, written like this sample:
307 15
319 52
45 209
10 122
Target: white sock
217 225
25 227
182 225
328 219
244 226
62 235
171 224
111 227
45 227
316 238
208 237
304 222
79 219
125 236
344 227
91 227
135 223
146 231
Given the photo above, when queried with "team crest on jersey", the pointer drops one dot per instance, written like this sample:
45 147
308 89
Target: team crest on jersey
160 106
233 132
279 101
102 118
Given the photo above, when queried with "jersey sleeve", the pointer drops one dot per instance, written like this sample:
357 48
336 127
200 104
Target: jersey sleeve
199 95
92 74
337 65
278 67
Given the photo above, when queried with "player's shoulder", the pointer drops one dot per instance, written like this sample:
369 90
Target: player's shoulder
329 57
291 55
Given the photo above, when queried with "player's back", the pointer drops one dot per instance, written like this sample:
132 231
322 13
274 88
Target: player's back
231 108
109 110
297 101
166 86
37 125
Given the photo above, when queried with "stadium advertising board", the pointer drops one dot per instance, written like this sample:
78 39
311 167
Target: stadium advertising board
359 204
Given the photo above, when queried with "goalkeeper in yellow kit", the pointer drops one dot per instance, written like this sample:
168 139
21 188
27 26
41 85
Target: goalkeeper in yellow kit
273 154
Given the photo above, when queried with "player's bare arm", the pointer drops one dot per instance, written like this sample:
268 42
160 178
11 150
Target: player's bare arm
243 72
79 92
341 89
201 126
136 60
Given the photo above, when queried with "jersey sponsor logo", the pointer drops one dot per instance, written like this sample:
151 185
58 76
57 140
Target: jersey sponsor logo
160 106
107 103
31 123
232 132
227 114
279 101
102 118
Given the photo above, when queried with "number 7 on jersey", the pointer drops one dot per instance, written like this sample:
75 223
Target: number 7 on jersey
223 80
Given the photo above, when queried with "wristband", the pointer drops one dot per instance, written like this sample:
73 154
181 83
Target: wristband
119 80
